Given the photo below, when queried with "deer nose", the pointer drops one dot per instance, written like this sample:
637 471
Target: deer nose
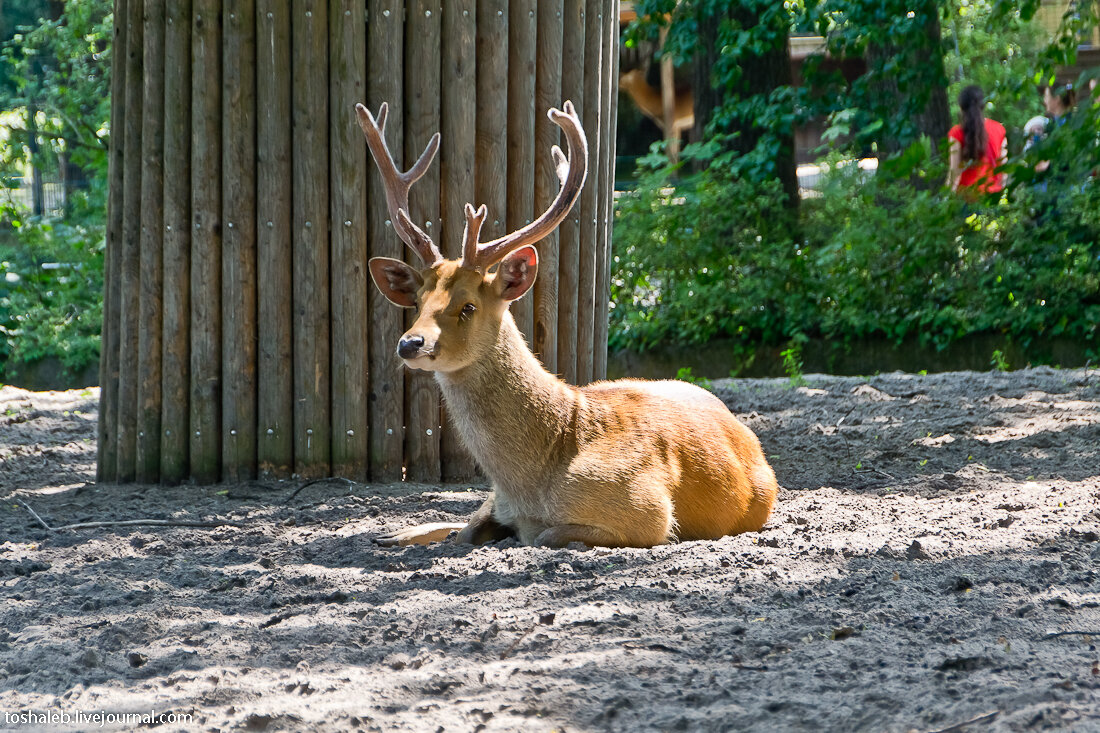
409 346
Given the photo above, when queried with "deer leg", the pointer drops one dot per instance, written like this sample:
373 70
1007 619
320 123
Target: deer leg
421 534
563 534
483 527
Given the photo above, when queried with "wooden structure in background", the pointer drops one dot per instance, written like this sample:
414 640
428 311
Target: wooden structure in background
241 334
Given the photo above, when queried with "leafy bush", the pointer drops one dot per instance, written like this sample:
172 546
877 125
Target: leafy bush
872 256
698 260
886 259
51 291
54 93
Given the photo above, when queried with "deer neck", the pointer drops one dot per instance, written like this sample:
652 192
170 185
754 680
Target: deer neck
512 414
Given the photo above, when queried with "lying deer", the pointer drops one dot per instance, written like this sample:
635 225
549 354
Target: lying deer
629 463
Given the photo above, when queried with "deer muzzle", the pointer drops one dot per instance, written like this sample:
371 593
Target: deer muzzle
410 347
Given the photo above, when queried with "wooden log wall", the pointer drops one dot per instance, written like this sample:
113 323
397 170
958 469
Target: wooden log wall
242 337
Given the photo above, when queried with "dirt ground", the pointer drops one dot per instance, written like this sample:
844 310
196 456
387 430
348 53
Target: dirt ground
933 559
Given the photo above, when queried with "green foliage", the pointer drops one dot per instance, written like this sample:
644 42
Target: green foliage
792 364
61 69
876 259
750 130
889 254
884 258
684 375
51 287
55 88
703 259
998 361
903 51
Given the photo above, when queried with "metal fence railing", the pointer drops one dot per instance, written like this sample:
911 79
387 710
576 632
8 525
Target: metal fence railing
20 192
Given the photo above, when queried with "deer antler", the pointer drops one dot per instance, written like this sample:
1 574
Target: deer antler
397 184
571 171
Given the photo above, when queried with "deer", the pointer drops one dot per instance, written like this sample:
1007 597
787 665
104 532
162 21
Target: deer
648 101
626 463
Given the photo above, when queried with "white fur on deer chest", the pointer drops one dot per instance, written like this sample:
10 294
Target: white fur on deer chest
524 512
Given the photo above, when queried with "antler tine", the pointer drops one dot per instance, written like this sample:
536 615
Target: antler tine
397 183
474 220
571 171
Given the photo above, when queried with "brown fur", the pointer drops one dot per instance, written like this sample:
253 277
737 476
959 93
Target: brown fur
649 102
628 463
625 463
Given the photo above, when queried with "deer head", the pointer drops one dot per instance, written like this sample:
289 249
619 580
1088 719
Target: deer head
461 302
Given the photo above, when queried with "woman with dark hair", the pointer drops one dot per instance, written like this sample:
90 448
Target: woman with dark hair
1059 101
979 144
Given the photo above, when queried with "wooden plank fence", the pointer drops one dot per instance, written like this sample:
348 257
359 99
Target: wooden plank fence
242 335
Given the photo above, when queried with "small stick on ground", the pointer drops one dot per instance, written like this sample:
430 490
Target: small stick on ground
875 470
957 727
154 523
35 515
504 654
133 522
1056 634
307 484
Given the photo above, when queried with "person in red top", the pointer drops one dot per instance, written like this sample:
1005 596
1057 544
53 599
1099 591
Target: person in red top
978 143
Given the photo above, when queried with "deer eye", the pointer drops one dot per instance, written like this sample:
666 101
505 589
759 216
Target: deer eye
467 311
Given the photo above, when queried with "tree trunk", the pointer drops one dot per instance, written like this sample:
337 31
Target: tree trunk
761 74
73 177
707 97
38 199
935 118
922 109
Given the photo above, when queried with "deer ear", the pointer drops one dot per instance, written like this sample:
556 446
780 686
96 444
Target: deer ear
517 272
397 281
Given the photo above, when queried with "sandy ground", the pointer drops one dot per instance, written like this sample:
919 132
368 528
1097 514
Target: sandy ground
933 559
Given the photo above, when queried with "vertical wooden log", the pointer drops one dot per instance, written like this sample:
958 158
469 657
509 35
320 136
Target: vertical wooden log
493 110
348 155
522 34
176 307
457 172
607 178
107 459
387 380
238 316
275 408
572 88
612 141
547 95
152 232
422 92
130 253
310 242
206 241
492 115
589 246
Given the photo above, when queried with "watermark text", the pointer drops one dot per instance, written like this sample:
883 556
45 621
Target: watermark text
96 718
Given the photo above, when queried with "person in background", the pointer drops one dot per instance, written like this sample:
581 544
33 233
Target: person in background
977 147
1034 131
1059 101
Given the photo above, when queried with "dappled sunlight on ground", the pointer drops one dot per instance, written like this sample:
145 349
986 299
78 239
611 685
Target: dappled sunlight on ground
932 558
